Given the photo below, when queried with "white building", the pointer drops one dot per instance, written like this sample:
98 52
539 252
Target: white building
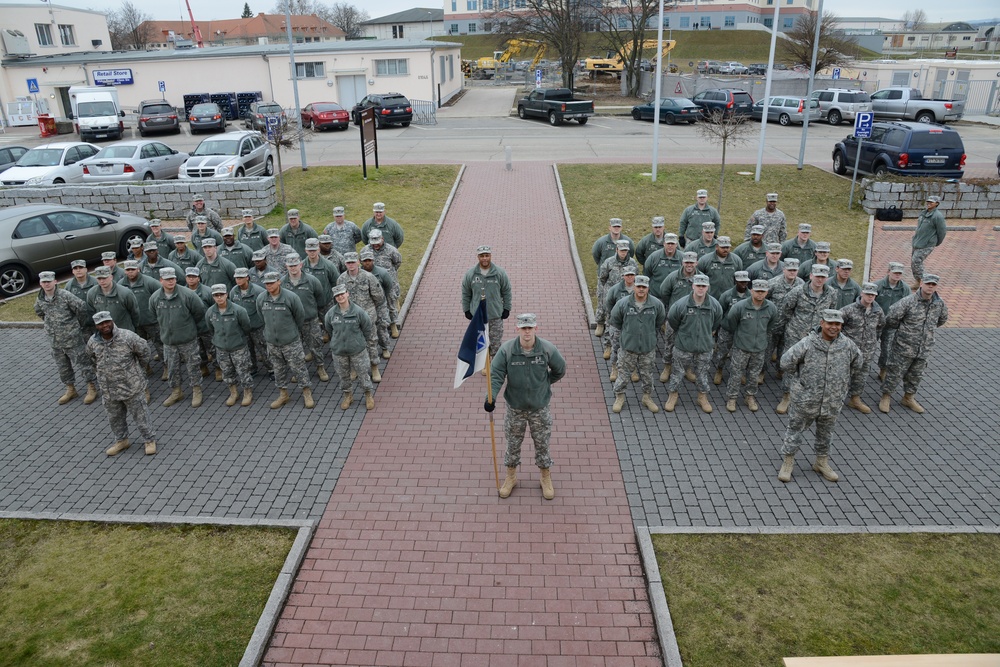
418 23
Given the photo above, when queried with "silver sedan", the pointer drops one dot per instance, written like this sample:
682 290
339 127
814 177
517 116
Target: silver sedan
137 160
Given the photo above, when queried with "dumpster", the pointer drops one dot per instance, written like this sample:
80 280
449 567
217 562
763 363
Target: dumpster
47 125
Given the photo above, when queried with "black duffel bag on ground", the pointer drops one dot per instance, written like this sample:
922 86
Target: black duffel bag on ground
889 214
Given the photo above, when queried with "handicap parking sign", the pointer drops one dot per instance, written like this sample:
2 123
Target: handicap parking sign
863 124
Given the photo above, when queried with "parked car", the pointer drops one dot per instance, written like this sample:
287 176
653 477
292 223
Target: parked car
905 149
672 110
233 155
998 165
47 237
323 115
207 116
733 67
157 116
390 109
724 101
9 155
787 110
50 164
708 66
258 114
760 69
555 104
137 160
909 104
838 104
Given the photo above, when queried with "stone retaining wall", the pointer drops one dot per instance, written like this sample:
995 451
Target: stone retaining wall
156 199
958 200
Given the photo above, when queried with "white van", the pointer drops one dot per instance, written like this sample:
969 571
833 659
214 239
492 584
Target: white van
96 112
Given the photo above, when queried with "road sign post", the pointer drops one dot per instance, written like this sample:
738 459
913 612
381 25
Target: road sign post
272 127
32 86
162 86
862 130
836 73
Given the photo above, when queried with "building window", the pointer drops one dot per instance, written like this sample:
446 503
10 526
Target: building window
454 29
309 70
520 4
472 28
666 21
487 5
706 22
397 32
392 67
685 22
66 35
451 68
769 23
472 5
454 5
788 23
44 33
900 79
730 21
967 38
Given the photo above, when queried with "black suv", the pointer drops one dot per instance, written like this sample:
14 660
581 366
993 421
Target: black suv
157 116
724 101
390 109
905 149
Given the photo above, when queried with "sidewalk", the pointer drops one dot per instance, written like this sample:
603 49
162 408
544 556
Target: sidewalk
416 560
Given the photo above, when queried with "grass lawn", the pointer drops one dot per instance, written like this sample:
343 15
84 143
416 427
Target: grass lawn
101 594
596 193
738 600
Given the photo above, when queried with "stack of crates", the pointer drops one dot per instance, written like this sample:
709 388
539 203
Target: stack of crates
227 102
193 99
244 100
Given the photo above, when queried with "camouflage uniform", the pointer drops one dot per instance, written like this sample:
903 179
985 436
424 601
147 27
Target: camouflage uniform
864 327
611 272
345 238
638 324
724 336
619 291
349 333
146 325
230 331
367 294
214 221
775 227
750 328
887 296
257 344
384 318
693 346
389 259
283 318
778 289
120 364
914 320
800 313
930 233
62 315
674 287
310 293
823 371
276 257
180 317
494 285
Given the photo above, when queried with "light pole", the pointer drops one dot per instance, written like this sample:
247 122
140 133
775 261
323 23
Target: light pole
657 89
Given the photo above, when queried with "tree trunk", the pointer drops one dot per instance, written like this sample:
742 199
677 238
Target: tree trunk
722 177
281 178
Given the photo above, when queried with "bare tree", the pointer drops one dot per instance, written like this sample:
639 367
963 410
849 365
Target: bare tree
283 136
833 48
348 18
624 26
560 23
129 27
914 19
732 130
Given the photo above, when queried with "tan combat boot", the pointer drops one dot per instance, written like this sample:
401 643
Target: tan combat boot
204 370
281 400
247 397
218 375
785 474
883 405
822 466
689 375
599 331
752 403
369 401
760 379
196 397
547 491
881 375
386 354
665 375
671 402
347 400
718 377
911 403
92 394
166 375
650 404
234 395
117 448
607 352
377 377
150 447
176 396
786 400
731 405
354 374
69 395
619 403
509 483
780 374
614 373
322 374
703 403
309 357
394 330
635 376
307 398
859 406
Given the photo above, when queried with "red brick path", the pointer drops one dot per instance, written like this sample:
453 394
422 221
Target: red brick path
417 561
968 263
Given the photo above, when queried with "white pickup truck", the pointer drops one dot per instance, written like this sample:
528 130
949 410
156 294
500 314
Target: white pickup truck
909 104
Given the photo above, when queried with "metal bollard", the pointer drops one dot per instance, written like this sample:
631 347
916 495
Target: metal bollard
507 153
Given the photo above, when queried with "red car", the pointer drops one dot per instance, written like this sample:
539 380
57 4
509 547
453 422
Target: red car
324 115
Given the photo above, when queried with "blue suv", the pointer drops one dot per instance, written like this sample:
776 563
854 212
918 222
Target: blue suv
904 149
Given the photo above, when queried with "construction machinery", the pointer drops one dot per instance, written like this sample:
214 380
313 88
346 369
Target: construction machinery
486 67
195 30
613 63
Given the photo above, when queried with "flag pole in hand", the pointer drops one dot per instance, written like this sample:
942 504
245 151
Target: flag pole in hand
493 438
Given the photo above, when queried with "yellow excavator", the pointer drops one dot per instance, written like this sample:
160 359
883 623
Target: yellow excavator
613 63
486 67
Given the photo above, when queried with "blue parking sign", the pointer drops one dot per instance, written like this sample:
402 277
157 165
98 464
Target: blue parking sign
163 86
863 124
32 85
836 73
271 124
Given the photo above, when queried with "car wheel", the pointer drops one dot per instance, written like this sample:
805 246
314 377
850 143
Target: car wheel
692 121
141 133
239 173
880 171
123 250
148 176
669 119
269 166
834 118
925 117
58 181
308 125
582 121
553 118
406 124
839 166
783 119
13 280
635 114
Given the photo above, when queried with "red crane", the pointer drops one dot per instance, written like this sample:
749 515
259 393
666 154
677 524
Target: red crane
196 31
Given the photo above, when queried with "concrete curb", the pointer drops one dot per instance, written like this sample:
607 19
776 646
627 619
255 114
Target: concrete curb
913 228
581 279
411 293
669 650
868 247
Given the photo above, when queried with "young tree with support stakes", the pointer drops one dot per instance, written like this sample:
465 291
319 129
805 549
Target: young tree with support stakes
285 135
731 130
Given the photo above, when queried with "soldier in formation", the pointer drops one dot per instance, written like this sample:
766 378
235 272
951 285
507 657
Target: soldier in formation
891 289
198 208
694 318
619 291
750 322
350 328
695 216
801 247
310 293
367 294
754 249
389 258
179 313
275 252
344 234
771 219
651 242
234 250
62 313
638 317
250 233
283 316
488 281
611 272
391 230
230 327
164 241
704 244
385 281
863 324
295 233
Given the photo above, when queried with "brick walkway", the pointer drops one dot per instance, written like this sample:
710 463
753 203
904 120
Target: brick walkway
417 561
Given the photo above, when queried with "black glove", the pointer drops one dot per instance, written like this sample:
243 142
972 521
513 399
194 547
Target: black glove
468 315
505 314
489 406
682 241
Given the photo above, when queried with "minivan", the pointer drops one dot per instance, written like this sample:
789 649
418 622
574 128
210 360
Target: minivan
904 149
837 104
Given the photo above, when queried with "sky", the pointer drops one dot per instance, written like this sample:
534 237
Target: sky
965 10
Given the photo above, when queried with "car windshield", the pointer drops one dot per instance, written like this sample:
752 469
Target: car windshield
682 102
218 147
204 108
95 109
157 108
326 107
41 157
857 98
398 99
933 140
269 108
116 152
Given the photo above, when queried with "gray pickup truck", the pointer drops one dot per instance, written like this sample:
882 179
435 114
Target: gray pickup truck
909 104
555 104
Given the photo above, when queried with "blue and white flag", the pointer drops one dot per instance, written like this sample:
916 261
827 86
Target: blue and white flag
475 346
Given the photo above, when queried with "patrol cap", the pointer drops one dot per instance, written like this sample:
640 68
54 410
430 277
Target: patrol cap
378 206
338 210
180 239
78 262
708 226
845 264
350 257
822 246
273 232
616 222
831 315
150 245
155 222
374 235
325 238
192 271
258 255
701 193
741 277
102 316
241 272
774 247
820 270
869 288
292 260
724 242
658 221
366 253
102 272
623 244
130 264
293 213
895 267
757 229
701 279
47 277
527 320
271 277
935 199
312 244
248 213
339 289
208 243
772 196
760 285
930 278
168 272
805 227
670 238
108 255
135 243
484 250
630 270
198 198
219 288
792 263
227 231
201 220
691 257
642 281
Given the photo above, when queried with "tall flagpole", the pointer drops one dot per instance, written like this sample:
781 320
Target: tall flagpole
489 397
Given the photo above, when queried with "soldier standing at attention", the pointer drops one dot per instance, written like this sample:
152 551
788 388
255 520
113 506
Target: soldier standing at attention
801 247
390 259
489 281
863 324
754 249
143 287
720 266
724 337
322 270
694 216
230 327
610 272
848 291
344 234
694 318
183 256
164 241
824 364
110 296
778 288
198 208
81 283
310 293
295 233
179 312
674 287
259 268
931 230
770 266
250 233
350 328
771 219
618 291
120 358
385 280
706 243
155 260
661 263
233 250
891 289
245 294
214 268
275 252
638 317
604 248
283 319
110 261
530 365
202 232
331 254
366 292
750 322
651 242
62 313
391 230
